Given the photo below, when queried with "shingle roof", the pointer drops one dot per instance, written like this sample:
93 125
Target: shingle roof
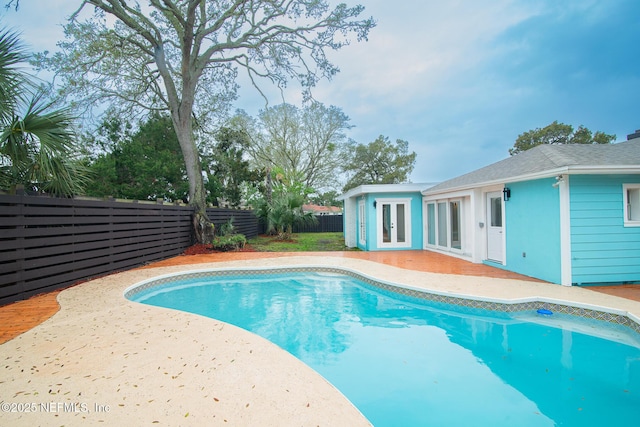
549 158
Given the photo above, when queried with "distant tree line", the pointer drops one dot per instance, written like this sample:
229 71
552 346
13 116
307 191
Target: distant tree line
304 149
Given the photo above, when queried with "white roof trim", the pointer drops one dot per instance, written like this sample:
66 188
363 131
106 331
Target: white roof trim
384 188
572 169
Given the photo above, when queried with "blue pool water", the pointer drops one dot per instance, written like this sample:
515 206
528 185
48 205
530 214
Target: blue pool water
407 362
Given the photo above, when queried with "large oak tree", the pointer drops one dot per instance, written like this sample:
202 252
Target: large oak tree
184 55
379 162
558 133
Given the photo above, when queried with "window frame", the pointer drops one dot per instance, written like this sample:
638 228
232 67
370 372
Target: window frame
631 207
443 236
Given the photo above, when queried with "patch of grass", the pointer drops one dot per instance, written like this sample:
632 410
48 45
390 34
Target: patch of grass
300 242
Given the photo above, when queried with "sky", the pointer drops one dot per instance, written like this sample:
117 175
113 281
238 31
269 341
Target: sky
458 79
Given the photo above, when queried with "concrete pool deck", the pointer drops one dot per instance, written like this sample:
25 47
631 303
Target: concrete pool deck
102 359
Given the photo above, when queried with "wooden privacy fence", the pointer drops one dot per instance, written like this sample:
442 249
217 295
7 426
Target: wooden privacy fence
244 221
50 243
325 224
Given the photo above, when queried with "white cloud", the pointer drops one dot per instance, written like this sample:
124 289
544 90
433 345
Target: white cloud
417 47
461 79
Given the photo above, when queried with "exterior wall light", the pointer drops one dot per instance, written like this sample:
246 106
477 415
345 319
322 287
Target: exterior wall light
559 179
506 193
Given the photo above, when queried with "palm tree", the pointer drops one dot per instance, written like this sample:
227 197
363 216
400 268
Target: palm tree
37 147
282 213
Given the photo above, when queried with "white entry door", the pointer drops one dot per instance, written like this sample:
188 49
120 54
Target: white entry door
394 223
495 228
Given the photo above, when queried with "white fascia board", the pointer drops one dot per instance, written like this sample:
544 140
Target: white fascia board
449 194
604 170
501 181
384 188
572 169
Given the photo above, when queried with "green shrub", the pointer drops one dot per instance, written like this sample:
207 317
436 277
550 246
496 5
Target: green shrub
229 243
227 229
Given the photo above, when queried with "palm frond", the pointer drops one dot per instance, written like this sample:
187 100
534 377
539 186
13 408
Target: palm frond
37 141
12 53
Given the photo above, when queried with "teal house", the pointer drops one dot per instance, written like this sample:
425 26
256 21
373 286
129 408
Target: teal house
384 216
566 214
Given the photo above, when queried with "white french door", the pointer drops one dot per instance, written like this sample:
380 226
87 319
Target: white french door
393 223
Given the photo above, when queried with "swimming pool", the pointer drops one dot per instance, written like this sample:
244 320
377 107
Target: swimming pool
406 361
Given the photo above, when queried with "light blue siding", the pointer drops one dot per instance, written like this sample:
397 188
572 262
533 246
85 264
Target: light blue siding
371 218
603 249
532 219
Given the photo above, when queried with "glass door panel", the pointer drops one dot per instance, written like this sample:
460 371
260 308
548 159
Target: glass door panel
496 212
454 210
442 224
431 223
386 223
400 224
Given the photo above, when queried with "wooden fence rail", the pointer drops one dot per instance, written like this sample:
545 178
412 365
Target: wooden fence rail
50 243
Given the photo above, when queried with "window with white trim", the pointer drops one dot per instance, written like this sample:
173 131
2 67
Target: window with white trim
631 195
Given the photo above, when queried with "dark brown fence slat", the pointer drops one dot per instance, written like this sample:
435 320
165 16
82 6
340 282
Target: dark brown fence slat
99 235
244 221
324 224
9 273
49 243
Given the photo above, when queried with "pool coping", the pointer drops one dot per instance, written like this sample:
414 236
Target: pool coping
155 356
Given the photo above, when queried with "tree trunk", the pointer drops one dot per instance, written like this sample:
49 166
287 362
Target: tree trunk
203 228
181 107
269 187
